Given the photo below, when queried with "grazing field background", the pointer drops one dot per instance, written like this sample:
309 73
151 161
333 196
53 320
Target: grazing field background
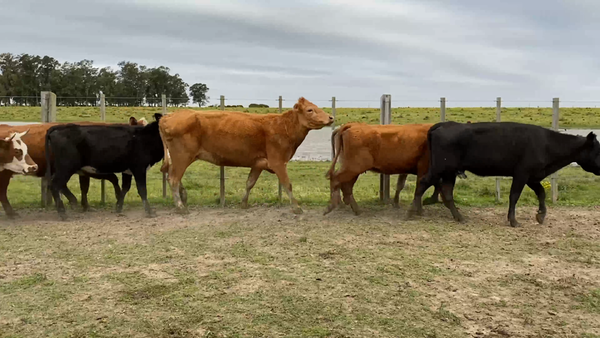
267 272
576 187
569 117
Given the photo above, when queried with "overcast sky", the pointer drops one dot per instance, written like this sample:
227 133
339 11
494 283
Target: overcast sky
522 50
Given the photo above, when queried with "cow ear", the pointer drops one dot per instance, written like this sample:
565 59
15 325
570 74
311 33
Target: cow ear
23 133
157 116
591 137
132 121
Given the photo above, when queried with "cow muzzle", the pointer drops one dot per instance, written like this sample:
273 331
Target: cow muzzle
32 169
331 119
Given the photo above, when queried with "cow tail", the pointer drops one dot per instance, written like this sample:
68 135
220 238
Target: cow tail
430 148
336 147
48 153
166 155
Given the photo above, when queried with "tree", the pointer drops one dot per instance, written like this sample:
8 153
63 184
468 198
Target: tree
198 91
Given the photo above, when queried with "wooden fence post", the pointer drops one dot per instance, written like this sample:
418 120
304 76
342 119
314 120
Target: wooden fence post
164 175
279 192
498 113
48 114
103 118
443 109
222 169
385 118
555 117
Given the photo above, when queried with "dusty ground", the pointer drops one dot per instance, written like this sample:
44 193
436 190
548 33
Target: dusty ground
267 272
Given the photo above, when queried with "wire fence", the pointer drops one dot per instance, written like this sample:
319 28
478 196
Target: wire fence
317 146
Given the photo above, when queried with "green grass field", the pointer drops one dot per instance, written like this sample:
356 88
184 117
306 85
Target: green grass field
569 118
265 272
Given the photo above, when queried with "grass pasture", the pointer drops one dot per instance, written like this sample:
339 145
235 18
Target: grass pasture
569 118
265 272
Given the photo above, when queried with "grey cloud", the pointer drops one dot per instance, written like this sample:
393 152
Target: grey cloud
467 49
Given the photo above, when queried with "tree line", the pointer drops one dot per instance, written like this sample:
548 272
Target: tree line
23 77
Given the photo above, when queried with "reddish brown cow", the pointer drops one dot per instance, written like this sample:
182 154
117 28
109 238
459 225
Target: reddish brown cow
236 139
35 140
386 149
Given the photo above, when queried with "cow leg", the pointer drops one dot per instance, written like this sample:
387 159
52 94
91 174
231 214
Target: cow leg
5 177
537 187
416 207
435 196
84 184
69 195
252 178
516 189
337 181
123 192
58 183
448 192
140 182
175 173
281 172
399 186
347 190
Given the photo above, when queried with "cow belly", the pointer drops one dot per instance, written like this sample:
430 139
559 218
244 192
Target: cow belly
92 171
227 159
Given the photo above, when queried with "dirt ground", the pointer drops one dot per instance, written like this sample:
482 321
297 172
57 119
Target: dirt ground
479 279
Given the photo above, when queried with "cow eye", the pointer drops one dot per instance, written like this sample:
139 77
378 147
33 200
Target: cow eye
310 110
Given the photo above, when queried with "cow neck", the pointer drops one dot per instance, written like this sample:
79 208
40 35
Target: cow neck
565 149
293 128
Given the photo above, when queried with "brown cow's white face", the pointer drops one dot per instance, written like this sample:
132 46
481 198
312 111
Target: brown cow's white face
14 156
312 116
140 122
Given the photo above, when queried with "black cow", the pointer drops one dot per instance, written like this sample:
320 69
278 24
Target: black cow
102 149
525 152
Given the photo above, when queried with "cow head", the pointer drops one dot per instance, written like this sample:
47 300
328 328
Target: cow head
134 122
590 157
14 156
311 116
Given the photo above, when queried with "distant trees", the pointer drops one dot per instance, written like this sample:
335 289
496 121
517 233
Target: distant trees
198 91
79 83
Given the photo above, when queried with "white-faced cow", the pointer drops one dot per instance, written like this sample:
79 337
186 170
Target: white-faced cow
35 137
527 153
14 156
236 139
102 149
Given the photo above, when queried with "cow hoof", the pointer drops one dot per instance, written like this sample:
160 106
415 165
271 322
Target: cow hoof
459 219
63 217
297 210
13 215
356 211
245 205
328 209
151 214
540 218
396 205
430 201
515 224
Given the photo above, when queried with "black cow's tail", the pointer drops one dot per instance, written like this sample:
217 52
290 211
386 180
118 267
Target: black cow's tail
427 176
48 153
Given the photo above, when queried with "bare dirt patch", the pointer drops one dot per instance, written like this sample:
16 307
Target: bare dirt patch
266 271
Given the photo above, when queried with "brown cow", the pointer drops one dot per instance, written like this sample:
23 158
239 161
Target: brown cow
386 149
35 140
236 139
